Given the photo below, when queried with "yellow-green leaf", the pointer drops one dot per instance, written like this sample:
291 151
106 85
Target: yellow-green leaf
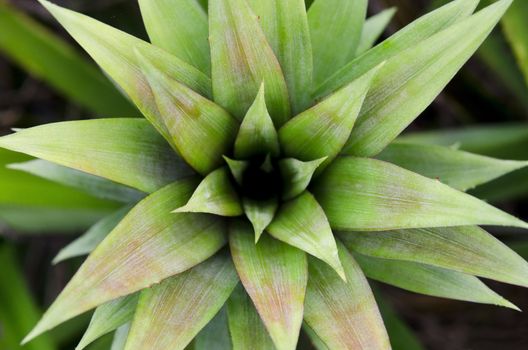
467 249
274 275
190 119
260 214
514 25
344 315
302 223
373 28
170 314
296 175
181 28
104 147
149 245
242 59
371 195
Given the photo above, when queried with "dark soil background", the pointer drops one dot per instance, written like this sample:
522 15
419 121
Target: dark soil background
475 96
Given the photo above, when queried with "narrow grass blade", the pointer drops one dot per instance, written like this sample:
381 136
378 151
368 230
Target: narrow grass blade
274 275
297 175
190 119
260 214
285 24
373 28
257 135
104 147
421 72
170 314
335 29
514 25
149 245
457 169
245 326
48 57
469 250
242 60
181 28
344 315
109 317
370 195
86 243
411 35
302 223
323 130
215 335
430 280
114 51
94 185
214 195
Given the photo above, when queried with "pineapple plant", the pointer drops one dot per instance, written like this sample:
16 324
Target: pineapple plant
267 180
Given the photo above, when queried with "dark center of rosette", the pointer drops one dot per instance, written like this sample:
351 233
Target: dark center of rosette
261 180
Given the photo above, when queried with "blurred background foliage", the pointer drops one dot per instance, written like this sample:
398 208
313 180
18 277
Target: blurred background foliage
45 77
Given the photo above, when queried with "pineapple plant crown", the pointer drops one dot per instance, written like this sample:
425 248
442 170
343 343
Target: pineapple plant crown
267 179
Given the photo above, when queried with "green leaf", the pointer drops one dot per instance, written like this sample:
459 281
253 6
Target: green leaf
191 120
296 175
371 195
214 195
260 214
245 326
458 169
469 250
18 310
323 130
215 335
169 315
34 205
104 147
274 275
114 51
149 245
411 35
181 28
257 135
373 28
48 57
286 27
517 33
109 317
86 243
302 223
120 337
344 315
411 80
430 280
335 29
94 185
242 60
237 168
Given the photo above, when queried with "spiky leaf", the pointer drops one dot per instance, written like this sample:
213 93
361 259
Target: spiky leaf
214 195
335 29
458 169
274 275
302 223
181 28
171 314
422 72
517 33
104 147
286 27
430 280
149 245
257 135
242 59
371 195
260 214
109 317
468 250
343 314
373 28
245 326
297 175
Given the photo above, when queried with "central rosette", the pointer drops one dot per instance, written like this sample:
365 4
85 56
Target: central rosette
261 179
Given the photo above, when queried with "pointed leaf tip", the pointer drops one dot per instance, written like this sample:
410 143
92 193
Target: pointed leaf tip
297 175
